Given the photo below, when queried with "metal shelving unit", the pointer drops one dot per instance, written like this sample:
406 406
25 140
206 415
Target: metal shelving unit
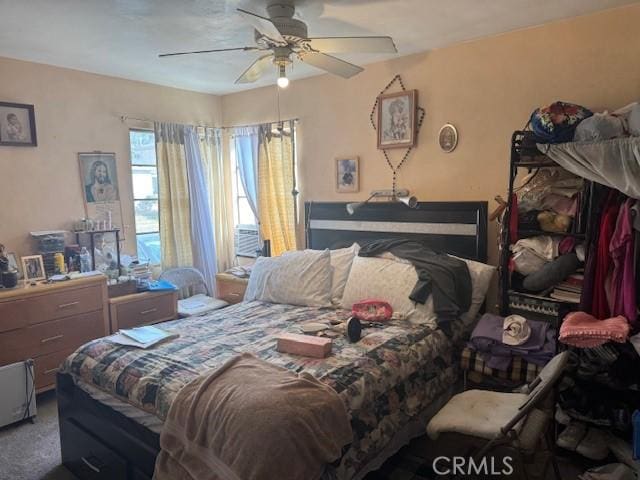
525 156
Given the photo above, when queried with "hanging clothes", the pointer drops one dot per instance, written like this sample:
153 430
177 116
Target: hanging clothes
600 307
621 248
600 195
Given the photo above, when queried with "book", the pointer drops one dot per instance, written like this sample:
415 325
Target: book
142 337
161 285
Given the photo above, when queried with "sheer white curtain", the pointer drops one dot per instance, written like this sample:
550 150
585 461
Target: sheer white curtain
203 243
247 141
219 178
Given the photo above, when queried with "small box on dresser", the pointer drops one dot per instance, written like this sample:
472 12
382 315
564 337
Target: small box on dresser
47 322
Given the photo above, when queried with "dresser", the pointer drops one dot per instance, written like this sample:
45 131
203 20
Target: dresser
47 322
144 308
231 288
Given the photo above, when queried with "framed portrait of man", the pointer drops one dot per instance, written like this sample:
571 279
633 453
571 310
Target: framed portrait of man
17 125
100 189
397 119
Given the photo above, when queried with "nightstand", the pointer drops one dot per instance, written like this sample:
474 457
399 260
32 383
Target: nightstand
231 288
144 308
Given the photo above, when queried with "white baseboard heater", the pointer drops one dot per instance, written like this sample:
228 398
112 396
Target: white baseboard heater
18 399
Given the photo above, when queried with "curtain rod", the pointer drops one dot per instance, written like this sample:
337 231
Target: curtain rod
124 118
261 123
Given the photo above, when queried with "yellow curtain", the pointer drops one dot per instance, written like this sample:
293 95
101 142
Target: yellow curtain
219 179
276 183
175 218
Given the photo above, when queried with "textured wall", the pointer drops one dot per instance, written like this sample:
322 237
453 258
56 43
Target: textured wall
487 88
76 112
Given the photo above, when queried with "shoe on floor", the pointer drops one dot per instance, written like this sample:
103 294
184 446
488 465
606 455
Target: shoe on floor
562 417
571 436
594 445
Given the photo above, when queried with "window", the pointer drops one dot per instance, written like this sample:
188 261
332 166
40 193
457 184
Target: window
242 213
144 170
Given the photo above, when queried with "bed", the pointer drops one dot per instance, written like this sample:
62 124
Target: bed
113 399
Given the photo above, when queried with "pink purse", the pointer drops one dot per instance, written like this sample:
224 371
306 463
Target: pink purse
372 310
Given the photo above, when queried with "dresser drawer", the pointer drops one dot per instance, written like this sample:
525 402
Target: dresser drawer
145 309
48 337
64 304
13 314
47 366
231 291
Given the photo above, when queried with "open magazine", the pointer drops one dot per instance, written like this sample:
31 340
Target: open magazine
142 337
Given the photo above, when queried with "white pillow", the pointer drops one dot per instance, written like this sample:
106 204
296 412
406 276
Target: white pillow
481 275
388 280
298 278
341 260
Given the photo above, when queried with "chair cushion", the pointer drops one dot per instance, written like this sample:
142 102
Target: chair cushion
477 413
199 304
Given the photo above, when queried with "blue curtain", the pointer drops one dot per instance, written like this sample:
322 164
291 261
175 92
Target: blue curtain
203 244
247 143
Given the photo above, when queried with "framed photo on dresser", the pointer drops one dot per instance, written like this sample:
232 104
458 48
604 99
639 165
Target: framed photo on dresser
33 268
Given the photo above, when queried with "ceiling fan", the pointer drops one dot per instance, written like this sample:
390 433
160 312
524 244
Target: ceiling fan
282 37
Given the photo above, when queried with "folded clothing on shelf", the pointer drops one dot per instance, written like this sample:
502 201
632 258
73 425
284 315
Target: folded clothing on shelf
488 335
583 330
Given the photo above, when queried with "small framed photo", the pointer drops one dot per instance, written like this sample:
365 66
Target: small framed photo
397 120
13 263
33 268
17 125
448 138
347 175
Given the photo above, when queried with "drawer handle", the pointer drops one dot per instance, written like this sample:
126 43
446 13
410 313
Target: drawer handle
51 370
234 294
151 310
67 305
90 465
51 339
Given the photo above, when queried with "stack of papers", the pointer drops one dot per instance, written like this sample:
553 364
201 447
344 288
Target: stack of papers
141 337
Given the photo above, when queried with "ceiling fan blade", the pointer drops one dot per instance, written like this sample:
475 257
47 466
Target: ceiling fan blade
353 44
246 49
255 71
263 25
330 64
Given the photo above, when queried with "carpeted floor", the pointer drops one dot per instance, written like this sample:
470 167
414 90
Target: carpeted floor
31 451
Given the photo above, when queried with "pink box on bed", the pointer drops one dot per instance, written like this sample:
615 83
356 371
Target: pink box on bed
305 345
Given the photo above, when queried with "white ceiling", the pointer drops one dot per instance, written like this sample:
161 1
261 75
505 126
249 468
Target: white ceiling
123 37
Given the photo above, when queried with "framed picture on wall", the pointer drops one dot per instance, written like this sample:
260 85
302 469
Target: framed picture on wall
33 268
17 125
347 175
100 189
397 119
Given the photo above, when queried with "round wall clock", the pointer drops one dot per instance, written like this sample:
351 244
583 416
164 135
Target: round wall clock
448 138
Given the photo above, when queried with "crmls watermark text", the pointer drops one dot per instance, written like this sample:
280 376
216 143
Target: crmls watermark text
462 466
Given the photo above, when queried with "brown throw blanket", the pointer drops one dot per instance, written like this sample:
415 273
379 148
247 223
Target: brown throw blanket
250 420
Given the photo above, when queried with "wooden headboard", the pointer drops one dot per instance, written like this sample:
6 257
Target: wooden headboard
459 228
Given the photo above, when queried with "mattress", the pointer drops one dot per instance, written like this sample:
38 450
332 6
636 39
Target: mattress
387 379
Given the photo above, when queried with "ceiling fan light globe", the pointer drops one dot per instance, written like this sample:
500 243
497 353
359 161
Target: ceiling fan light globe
283 82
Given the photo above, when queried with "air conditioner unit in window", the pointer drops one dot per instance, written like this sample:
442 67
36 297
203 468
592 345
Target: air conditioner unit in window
247 240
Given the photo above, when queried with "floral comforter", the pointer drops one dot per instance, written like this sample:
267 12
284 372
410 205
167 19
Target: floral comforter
392 374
